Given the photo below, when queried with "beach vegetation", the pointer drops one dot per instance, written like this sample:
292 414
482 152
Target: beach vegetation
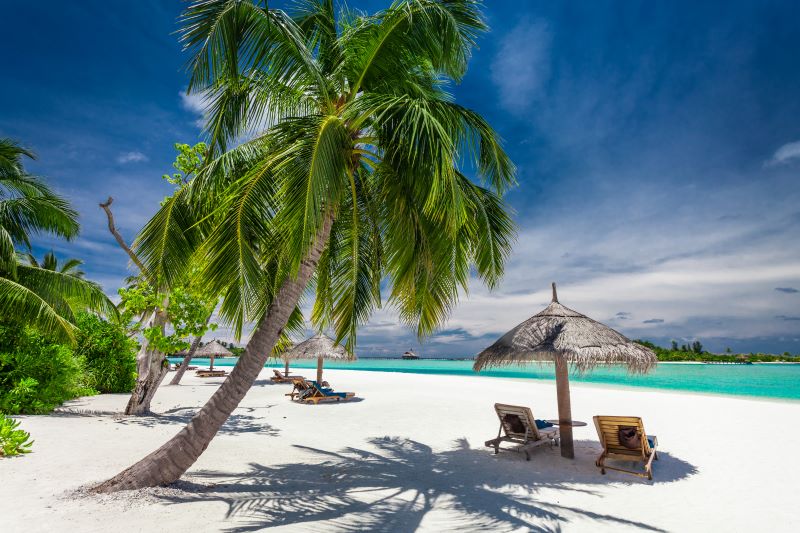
109 354
38 374
13 440
353 179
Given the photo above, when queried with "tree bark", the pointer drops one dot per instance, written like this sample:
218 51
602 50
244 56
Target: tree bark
122 244
151 369
176 380
564 407
168 463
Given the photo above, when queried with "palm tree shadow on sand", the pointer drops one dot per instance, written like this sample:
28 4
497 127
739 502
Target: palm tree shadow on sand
395 487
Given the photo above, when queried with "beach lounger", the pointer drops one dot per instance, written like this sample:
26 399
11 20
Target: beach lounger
279 377
309 391
608 430
520 428
211 373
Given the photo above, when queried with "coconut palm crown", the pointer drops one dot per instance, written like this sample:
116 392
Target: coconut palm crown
43 297
350 122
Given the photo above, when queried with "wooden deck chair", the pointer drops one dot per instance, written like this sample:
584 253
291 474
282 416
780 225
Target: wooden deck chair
519 426
317 392
608 430
211 373
279 377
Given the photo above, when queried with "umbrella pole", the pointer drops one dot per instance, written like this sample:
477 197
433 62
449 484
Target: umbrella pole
286 372
319 370
212 362
564 408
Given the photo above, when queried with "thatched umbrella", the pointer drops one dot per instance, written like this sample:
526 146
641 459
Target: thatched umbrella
213 349
565 337
320 346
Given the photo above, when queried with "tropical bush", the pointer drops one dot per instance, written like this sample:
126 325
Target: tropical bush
36 374
13 441
109 355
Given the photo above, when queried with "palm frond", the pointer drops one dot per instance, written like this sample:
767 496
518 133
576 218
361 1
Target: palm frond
27 307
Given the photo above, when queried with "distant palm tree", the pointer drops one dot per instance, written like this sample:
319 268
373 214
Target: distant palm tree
354 177
51 262
30 294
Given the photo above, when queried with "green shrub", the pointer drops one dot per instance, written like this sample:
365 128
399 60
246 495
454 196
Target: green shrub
109 355
37 375
13 441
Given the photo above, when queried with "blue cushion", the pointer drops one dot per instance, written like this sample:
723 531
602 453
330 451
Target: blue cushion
543 424
651 442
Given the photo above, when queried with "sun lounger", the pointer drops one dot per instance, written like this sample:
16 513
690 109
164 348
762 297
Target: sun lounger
309 391
518 426
279 377
608 430
211 373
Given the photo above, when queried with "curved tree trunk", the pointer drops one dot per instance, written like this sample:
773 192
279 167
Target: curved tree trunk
186 360
152 367
168 463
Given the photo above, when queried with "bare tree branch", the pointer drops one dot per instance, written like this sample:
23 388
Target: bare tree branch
113 229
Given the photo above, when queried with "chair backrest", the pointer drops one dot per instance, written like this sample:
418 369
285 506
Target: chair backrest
277 374
608 433
301 383
508 413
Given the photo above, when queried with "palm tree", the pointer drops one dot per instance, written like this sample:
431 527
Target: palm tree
355 176
41 297
69 267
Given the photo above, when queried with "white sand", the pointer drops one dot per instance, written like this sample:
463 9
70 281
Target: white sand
410 456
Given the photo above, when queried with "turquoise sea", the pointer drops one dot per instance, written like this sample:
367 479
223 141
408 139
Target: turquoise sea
760 380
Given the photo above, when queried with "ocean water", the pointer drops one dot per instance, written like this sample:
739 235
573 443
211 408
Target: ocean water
758 380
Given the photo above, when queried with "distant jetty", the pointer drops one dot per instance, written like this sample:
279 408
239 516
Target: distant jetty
410 355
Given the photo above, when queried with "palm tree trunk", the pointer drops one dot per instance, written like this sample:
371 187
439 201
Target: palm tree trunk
168 463
186 360
151 372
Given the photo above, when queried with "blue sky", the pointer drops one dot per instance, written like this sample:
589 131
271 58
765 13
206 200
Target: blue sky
658 147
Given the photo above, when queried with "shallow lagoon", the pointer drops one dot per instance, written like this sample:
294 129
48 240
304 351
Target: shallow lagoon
764 380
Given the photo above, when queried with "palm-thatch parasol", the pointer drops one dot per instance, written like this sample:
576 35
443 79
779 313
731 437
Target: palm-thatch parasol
565 337
320 346
213 349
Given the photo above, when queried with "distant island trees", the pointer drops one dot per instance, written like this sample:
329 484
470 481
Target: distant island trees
695 352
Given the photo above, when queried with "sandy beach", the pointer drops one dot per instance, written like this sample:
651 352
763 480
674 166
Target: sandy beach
408 455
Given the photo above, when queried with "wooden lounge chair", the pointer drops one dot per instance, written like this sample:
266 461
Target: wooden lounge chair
211 373
608 431
309 391
519 426
280 377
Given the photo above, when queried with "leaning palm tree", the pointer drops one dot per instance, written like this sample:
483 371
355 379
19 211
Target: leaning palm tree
353 174
41 297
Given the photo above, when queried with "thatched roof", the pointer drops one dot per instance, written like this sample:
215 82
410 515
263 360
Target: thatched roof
557 329
316 346
213 348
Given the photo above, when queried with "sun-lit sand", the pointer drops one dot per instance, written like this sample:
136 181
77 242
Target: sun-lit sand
409 455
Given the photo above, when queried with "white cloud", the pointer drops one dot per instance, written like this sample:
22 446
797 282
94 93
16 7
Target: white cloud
521 66
132 157
785 154
195 103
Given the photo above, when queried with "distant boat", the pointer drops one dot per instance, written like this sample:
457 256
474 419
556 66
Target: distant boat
410 355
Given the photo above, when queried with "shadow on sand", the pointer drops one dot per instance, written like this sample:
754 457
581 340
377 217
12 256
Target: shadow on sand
180 416
393 488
